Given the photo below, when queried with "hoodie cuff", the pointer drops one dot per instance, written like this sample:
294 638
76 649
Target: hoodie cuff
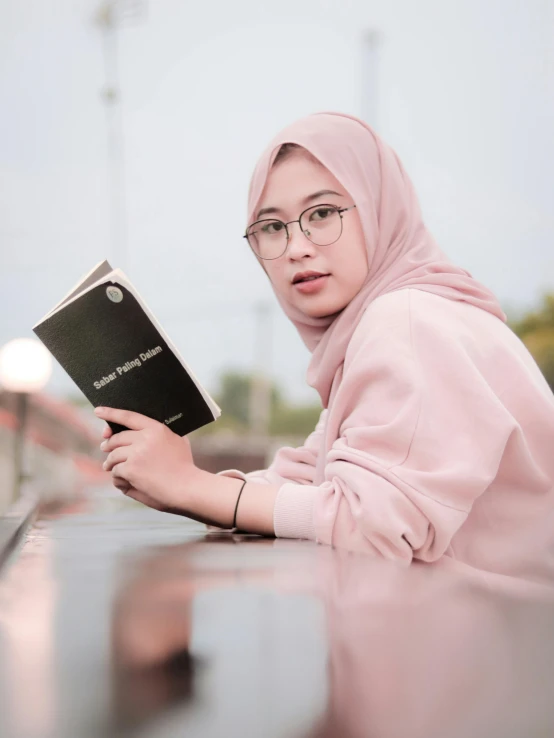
233 473
293 516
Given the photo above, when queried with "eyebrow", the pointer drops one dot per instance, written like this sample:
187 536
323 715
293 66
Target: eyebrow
305 201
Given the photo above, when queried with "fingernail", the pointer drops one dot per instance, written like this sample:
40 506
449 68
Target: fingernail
99 410
102 445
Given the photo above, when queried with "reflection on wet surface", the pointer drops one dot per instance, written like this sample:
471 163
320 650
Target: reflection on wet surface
119 621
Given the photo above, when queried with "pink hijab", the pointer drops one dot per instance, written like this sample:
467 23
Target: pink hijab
401 251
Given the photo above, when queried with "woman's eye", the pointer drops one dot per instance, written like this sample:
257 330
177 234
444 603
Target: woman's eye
322 213
272 228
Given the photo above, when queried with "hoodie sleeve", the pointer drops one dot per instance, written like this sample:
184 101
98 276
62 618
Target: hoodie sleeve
295 465
420 438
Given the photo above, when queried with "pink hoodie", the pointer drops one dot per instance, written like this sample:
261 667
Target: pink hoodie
438 432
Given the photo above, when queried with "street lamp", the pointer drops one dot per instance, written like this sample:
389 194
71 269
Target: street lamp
25 368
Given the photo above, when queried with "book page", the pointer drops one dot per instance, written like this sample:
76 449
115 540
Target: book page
102 269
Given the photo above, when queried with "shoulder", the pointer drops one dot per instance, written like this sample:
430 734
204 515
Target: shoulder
390 312
387 319
383 330
398 313
393 322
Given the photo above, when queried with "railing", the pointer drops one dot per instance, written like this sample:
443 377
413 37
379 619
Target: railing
43 441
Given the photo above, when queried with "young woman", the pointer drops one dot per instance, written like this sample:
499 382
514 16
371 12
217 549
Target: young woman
437 435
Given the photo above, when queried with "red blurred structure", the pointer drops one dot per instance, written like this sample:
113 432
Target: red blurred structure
62 454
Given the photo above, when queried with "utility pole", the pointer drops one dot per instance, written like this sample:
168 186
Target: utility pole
111 15
260 387
371 48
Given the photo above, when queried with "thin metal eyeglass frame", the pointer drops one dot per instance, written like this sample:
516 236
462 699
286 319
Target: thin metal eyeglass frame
340 211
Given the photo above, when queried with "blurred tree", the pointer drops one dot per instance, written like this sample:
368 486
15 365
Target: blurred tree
234 397
541 318
536 330
298 420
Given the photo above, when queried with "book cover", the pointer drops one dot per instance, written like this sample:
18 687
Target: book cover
109 343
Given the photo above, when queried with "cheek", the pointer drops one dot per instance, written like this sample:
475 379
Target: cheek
354 260
275 272
362 265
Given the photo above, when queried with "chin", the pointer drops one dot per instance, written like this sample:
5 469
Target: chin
323 311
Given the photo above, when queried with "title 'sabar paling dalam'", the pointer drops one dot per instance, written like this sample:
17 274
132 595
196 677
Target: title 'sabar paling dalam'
110 344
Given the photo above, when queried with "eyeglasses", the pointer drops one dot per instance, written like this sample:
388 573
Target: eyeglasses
321 224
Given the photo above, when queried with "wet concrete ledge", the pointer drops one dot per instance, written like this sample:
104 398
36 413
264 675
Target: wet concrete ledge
15 521
120 622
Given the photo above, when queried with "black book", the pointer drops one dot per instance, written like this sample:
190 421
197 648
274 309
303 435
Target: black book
116 352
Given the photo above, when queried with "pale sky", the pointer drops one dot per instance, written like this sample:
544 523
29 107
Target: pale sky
464 93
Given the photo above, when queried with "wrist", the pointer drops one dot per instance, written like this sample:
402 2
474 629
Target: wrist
212 498
209 501
256 508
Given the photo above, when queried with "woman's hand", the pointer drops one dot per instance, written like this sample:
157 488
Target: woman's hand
153 465
148 462
126 488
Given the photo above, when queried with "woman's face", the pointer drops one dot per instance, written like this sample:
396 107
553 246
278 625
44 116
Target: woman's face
294 184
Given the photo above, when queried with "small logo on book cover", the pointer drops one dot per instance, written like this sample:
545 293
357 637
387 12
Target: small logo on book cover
114 293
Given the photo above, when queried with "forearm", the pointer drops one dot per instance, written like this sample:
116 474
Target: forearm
212 500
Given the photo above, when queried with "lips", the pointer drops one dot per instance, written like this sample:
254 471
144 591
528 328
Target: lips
309 276
311 284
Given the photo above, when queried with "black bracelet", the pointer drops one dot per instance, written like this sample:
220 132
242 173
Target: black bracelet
237 506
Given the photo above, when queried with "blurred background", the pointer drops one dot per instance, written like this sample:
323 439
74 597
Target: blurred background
129 129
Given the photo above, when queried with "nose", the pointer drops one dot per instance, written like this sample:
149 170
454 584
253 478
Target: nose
299 244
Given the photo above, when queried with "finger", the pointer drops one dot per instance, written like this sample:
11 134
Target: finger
131 420
125 438
119 477
116 457
121 484
107 432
